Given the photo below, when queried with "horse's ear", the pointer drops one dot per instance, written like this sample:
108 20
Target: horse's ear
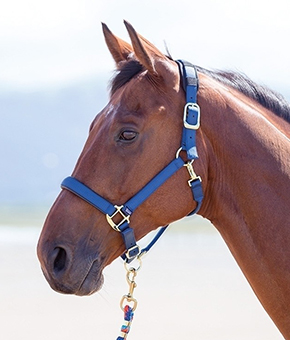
145 52
120 49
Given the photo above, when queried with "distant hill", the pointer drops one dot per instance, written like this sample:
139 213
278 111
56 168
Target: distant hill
41 136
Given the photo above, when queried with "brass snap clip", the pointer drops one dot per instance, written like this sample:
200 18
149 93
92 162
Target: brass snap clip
192 174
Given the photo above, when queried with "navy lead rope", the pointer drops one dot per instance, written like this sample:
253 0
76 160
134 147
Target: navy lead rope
128 318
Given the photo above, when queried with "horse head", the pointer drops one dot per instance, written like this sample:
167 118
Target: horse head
131 140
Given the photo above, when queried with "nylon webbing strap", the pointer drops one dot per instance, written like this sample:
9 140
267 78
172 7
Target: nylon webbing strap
154 184
191 116
88 195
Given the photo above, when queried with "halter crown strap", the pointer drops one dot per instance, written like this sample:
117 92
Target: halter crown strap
191 115
191 121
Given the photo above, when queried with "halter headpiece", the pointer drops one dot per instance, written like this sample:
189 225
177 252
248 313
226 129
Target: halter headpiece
191 122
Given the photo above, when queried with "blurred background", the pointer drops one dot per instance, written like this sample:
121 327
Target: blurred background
54 70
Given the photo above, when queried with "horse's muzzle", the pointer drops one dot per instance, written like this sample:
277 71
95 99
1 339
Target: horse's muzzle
70 272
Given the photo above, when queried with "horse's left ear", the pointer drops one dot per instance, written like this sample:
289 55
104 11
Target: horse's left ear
145 52
120 49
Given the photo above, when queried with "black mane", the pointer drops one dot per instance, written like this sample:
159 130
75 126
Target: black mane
263 95
271 100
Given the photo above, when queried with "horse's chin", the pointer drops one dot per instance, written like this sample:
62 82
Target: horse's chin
90 285
85 285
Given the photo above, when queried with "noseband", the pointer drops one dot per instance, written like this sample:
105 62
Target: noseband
191 122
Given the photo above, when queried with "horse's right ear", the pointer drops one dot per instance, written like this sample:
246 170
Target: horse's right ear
120 49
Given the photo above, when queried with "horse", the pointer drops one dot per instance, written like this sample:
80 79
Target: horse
240 156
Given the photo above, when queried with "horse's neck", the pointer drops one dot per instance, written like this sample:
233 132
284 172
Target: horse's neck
248 154
248 196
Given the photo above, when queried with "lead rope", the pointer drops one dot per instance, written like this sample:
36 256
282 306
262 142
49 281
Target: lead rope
132 272
129 299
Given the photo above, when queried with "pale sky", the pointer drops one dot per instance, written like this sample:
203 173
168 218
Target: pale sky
50 43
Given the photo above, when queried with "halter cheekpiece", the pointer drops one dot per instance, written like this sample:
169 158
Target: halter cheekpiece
191 122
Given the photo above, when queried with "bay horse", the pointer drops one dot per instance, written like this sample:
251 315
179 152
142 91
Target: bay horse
243 160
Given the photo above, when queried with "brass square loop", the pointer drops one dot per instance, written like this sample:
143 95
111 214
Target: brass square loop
125 218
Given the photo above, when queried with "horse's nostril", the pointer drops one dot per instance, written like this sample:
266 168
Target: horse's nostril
60 260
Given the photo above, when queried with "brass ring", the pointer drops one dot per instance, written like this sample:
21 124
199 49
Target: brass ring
132 268
178 152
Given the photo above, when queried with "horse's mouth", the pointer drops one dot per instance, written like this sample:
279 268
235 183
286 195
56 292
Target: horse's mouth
92 282
72 283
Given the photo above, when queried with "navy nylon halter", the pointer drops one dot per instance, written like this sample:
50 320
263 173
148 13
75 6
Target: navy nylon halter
191 122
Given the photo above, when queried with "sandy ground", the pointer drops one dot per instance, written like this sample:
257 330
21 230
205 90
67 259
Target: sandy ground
189 288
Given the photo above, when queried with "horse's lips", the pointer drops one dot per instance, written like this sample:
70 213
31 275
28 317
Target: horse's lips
88 284
92 282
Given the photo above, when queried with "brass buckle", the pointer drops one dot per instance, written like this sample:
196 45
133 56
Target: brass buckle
125 218
128 256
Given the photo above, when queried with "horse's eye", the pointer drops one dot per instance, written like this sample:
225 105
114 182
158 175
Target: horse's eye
128 135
